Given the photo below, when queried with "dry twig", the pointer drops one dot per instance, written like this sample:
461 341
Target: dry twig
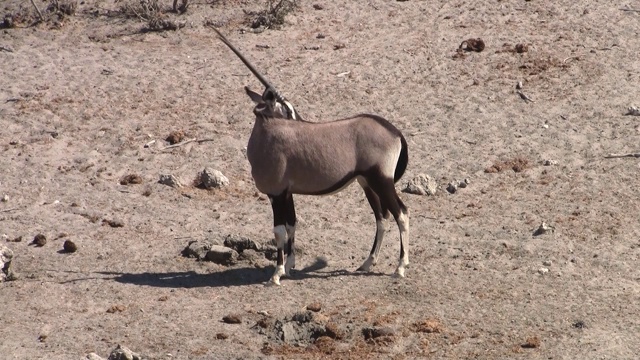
37 10
614 156
199 141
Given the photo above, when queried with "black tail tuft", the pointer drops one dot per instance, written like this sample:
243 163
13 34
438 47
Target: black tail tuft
402 161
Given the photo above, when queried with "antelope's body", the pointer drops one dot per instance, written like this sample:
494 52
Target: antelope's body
291 156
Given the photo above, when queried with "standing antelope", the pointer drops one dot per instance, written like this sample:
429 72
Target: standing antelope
291 156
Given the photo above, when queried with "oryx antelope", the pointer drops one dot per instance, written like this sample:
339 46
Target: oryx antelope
291 156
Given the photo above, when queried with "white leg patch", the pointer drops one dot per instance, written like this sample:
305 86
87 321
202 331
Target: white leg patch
403 226
280 233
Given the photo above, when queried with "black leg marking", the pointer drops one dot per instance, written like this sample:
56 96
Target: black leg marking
290 221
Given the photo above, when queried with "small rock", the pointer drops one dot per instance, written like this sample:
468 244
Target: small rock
232 319
421 185
170 180
376 332
579 324
222 255
5 198
69 246
464 183
543 229
240 243
531 343
546 263
549 162
6 256
521 48
519 85
543 271
16 239
175 137
315 307
222 336
39 240
428 326
197 249
633 110
212 179
94 356
113 223
333 331
452 188
131 179
116 308
122 353
318 6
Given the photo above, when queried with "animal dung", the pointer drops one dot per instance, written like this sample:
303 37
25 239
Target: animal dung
476 45
69 246
39 240
131 179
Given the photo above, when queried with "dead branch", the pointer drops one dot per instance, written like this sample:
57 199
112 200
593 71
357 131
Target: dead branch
10 209
37 10
628 9
178 144
614 156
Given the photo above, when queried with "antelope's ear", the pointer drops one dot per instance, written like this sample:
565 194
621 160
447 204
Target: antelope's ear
255 97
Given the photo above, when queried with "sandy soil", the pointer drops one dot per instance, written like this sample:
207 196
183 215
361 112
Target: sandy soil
82 95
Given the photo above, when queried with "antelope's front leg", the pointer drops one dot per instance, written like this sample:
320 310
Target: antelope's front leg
280 233
278 204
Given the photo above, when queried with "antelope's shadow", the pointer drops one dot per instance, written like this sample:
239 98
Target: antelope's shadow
231 277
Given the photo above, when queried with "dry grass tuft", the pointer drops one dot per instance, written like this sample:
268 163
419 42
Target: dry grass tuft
517 164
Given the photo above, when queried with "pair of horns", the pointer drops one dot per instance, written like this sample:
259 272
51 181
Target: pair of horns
255 72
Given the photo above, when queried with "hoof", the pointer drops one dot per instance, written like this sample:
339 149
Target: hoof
399 273
273 282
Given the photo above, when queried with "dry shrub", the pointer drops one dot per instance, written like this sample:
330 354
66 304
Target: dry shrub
141 9
517 164
62 7
531 343
272 17
428 326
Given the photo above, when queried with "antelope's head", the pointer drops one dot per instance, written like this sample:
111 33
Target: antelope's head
270 104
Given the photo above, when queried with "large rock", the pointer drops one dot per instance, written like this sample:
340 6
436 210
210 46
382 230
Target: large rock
122 353
6 255
421 185
212 179
222 255
197 249
240 243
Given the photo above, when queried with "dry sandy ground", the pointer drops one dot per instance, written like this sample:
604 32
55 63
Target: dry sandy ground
81 96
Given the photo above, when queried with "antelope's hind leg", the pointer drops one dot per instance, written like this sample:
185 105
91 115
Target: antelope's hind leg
374 202
384 188
290 223
279 206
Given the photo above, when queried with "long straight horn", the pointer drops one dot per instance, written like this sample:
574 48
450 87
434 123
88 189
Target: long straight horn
249 65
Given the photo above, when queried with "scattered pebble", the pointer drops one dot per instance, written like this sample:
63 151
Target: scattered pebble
5 198
543 271
318 6
522 48
131 179
376 332
579 324
222 336
546 263
232 319
543 229
6 256
175 137
123 353
476 45
116 308
113 223
550 162
519 85
69 246
633 110
531 343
